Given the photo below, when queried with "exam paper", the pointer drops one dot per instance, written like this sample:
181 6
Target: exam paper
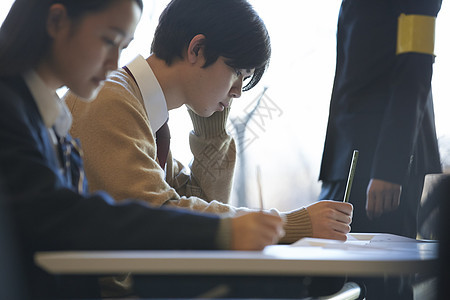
377 238
360 241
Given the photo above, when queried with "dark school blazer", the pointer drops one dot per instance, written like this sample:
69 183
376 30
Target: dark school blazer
49 215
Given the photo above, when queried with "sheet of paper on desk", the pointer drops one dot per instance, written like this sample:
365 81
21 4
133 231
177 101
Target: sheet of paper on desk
376 238
333 244
357 241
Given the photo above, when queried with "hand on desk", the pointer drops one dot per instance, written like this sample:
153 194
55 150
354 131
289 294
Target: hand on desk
382 197
330 219
254 231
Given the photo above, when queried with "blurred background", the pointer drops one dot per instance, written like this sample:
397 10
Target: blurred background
280 124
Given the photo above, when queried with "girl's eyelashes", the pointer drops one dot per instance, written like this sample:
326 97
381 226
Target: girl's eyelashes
110 41
115 43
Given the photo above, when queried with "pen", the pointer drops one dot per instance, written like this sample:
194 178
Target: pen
258 179
351 174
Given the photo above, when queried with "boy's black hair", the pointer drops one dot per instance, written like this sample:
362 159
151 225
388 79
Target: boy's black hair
232 28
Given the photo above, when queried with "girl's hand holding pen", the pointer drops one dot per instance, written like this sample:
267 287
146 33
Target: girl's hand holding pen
254 231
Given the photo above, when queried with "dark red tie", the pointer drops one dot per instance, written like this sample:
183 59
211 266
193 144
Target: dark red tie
163 144
162 136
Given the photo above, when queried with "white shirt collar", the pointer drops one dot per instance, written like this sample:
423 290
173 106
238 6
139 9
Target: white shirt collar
53 110
154 100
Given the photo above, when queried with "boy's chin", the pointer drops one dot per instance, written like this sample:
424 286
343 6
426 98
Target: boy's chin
204 113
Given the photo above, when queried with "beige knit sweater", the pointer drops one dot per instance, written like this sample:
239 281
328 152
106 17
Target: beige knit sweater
120 156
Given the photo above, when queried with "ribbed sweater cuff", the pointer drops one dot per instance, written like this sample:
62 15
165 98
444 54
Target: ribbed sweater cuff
211 126
298 225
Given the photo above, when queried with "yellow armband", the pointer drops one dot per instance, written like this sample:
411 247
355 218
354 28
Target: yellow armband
415 34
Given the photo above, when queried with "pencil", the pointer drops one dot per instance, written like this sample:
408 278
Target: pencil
258 179
351 174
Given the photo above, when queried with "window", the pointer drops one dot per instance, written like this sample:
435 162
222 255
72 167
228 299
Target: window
294 109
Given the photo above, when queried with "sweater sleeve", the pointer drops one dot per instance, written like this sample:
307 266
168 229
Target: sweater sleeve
297 226
214 154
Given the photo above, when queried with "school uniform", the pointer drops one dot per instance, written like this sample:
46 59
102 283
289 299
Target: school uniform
50 213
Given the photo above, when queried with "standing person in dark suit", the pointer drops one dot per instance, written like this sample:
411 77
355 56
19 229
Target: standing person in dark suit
382 105
46 44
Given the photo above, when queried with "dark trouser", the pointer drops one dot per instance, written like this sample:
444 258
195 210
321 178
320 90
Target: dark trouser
402 221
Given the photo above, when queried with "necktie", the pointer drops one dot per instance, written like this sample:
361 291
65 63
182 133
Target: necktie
71 157
163 144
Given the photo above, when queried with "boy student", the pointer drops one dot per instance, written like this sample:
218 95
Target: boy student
204 53
75 43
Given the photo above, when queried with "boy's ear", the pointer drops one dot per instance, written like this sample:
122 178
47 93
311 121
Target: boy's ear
196 48
57 19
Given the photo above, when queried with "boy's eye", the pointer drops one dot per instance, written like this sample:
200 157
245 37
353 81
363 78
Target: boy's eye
240 72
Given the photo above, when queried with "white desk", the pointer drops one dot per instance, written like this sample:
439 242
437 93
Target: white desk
365 255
